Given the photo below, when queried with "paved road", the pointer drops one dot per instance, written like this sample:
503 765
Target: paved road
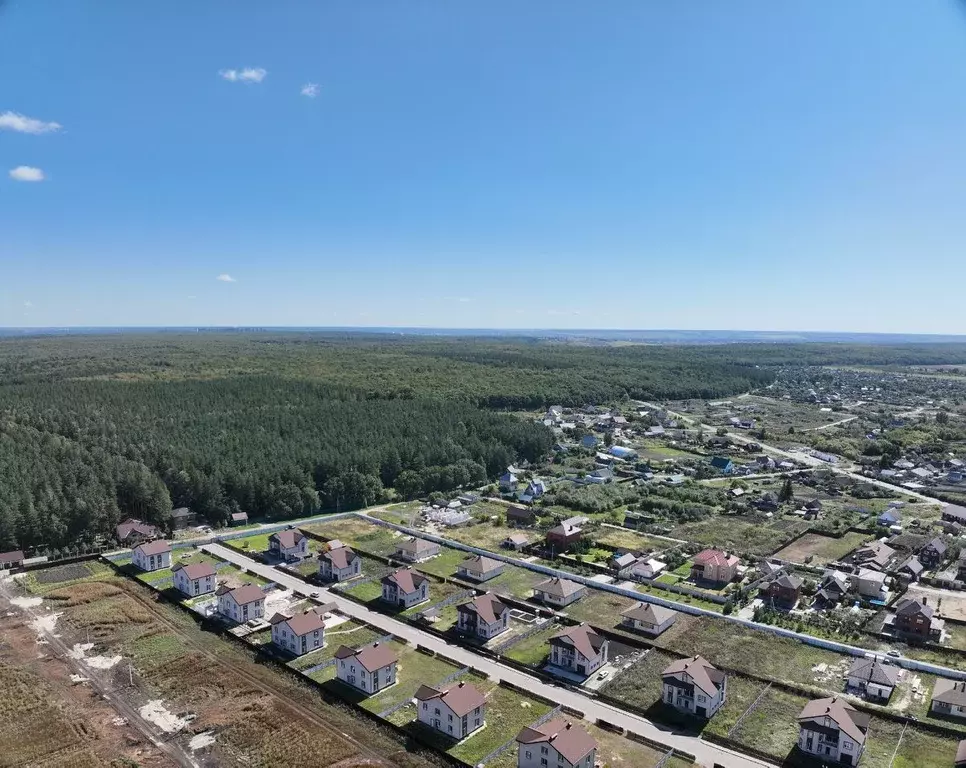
706 753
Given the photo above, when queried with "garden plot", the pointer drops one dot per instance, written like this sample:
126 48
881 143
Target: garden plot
752 536
951 606
532 650
817 549
772 727
639 685
357 532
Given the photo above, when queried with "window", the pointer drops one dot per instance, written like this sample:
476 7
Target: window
450 718
847 746
544 751
529 755
437 710
543 761
425 706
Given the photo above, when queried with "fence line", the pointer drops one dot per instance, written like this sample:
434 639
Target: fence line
448 679
448 601
504 747
536 629
734 729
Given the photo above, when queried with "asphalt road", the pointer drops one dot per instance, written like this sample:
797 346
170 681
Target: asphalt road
707 754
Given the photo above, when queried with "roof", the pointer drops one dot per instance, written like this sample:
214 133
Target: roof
564 530
701 671
652 614
11 557
129 526
721 462
340 558
521 512
239 516
181 512
158 547
302 623
913 564
581 637
714 557
937 544
787 581
371 657
558 587
625 559
518 538
949 691
462 698
287 539
849 720
479 564
196 570
406 579
872 671
486 607
243 595
907 607
414 545
571 741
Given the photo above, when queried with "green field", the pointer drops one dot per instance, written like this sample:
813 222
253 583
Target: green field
640 684
822 549
773 727
631 540
532 650
600 609
515 581
741 534
444 564
414 669
257 542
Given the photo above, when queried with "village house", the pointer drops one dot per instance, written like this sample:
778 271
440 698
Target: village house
508 482
194 579
558 592
767 503
182 518
131 531
714 566
560 538
648 618
455 711
869 584
933 554
299 634
578 649
484 617
915 619
875 554
405 588
782 591
911 570
834 587
833 729
479 568
339 564
723 464
152 555
520 516
288 545
949 697
589 442
535 489
417 550
554 744
872 679
622 561
242 603
889 518
646 568
9 560
694 686
515 541
369 669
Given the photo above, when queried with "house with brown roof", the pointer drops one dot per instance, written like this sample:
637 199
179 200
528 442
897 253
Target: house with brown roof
561 537
369 669
479 568
242 603
558 742
484 617
288 545
13 559
872 679
694 686
416 550
132 531
520 516
455 711
714 566
152 555
558 592
578 649
833 588
833 730
405 588
516 541
195 579
648 618
915 619
299 634
239 518
782 591
949 697
339 564
875 555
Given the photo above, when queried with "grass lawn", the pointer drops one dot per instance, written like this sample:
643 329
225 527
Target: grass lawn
438 592
922 749
742 693
534 649
506 713
257 542
601 609
880 743
640 684
446 618
674 596
515 581
823 549
360 533
350 633
364 592
444 564
414 669
486 535
638 542
741 534
773 727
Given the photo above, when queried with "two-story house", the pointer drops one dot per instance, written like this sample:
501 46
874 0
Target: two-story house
832 729
561 537
872 679
455 711
915 619
782 591
194 579
694 686
405 588
558 742
415 550
558 592
299 634
242 603
949 697
933 554
714 566
131 532
868 583
648 618
339 564
578 649
288 545
875 554
479 568
911 570
152 555
484 617
369 669
833 588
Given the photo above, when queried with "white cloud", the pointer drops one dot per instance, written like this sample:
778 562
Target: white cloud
225 278
26 173
246 75
13 121
28 304
310 89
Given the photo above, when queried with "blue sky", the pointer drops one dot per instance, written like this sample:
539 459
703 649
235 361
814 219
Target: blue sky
630 164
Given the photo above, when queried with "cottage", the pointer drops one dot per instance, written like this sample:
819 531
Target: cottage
889 518
556 743
194 579
723 464
9 560
875 554
242 603
455 711
405 588
915 619
834 587
417 550
558 592
911 570
131 532
152 555
813 509
339 564
648 618
369 669
783 590
714 566
646 568
765 463
478 568
954 513
868 583
508 482
516 541
872 679
694 686
288 545
301 633
535 489
600 476
182 518
767 503
563 536
949 698
579 649
520 516
933 553
484 617
239 518
622 561
832 728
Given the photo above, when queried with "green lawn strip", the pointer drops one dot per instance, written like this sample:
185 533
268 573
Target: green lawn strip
446 618
438 592
601 609
773 727
665 594
324 675
742 692
631 540
364 592
923 749
154 577
352 634
515 581
640 684
235 574
507 712
880 743
414 669
257 542
403 715
194 556
533 650
444 564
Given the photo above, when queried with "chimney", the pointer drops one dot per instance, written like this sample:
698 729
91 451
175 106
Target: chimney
923 599
462 683
375 644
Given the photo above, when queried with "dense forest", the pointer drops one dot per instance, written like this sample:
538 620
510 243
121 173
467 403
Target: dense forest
96 428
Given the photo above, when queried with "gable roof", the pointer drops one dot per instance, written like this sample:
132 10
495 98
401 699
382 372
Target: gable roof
287 539
520 513
913 565
907 607
480 564
158 547
415 546
937 545
196 570
462 698
518 538
714 557
131 525
487 607
557 587
873 671
849 720
340 558
564 530
652 614
243 595
370 657
302 623
571 741
581 637
721 462
949 691
705 676
406 580
621 560
787 581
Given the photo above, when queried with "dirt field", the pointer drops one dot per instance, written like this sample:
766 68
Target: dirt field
822 549
205 698
951 606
